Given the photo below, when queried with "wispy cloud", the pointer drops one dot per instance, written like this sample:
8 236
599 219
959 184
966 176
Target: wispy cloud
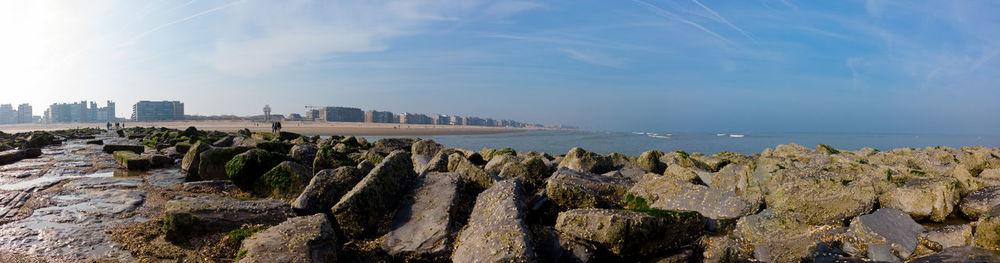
172 23
725 21
664 13
594 57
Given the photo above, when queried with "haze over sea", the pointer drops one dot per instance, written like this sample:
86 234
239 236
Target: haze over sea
561 141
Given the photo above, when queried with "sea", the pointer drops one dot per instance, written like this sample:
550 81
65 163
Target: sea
634 143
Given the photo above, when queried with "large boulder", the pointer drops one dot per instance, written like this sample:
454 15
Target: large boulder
299 239
363 210
285 181
212 162
965 254
189 165
988 230
40 139
10 157
190 216
304 153
498 162
978 203
437 164
885 235
532 171
572 189
631 233
472 175
931 198
944 237
325 189
666 193
388 145
650 161
496 231
770 237
328 158
131 161
425 224
582 160
111 148
426 148
245 168
821 201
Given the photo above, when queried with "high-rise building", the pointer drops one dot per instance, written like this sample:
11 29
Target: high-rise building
342 114
442 119
456 120
7 114
415 118
380 116
79 112
24 113
158 111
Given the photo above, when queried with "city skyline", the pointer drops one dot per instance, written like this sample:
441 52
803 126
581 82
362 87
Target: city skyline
774 65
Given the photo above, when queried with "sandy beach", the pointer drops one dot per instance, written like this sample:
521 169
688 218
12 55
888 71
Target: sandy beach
301 127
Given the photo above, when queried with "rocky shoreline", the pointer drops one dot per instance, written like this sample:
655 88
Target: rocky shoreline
144 194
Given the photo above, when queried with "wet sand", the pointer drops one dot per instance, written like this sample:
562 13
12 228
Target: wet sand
305 128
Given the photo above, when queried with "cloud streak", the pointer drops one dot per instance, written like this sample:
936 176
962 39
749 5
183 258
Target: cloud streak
725 21
142 35
595 58
664 13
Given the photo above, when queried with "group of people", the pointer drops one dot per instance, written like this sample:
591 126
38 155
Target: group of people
117 125
276 127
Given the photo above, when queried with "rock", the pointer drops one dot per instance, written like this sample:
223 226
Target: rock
245 168
496 231
424 225
945 237
95 142
212 162
650 160
325 189
471 175
299 239
364 209
305 154
682 173
209 186
978 203
531 171
287 136
159 160
365 167
351 141
965 254
191 161
224 142
112 148
182 147
104 182
275 146
631 233
285 181
190 216
711 162
41 139
988 230
769 237
426 147
131 161
572 189
821 201
14 156
585 161
497 163
328 158
666 193
388 145
887 229
683 159
437 164
921 198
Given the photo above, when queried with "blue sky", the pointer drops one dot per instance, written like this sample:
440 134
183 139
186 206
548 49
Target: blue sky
692 65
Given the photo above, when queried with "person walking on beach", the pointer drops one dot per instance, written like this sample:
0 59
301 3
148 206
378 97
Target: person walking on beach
109 125
278 126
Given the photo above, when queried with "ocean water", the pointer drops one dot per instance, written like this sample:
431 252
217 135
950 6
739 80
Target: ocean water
561 141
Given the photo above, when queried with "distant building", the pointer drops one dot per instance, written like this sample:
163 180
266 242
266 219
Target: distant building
267 112
7 114
342 114
158 111
24 113
473 121
456 120
375 116
294 117
79 112
312 115
442 119
415 118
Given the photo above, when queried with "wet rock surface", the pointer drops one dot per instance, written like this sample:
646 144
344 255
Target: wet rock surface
497 231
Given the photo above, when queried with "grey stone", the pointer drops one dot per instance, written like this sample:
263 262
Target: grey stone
572 189
496 231
663 192
886 226
770 237
190 163
978 203
426 147
305 153
932 198
104 182
946 237
424 225
190 216
582 160
964 254
298 239
212 162
325 189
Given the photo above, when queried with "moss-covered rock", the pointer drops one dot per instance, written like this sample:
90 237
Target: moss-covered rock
287 136
572 189
40 139
276 146
212 162
191 161
131 161
930 198
328 158
988 230
189 217
245 168
111 148
650 161
426 147
365 209
285 181
299 239
532 171
632 233
582 160
472 175
326 188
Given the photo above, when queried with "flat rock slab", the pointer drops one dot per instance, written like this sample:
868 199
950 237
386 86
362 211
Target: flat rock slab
888 230
298 239
630 233
196 215
423 225
104 182
165 177
496 231
73 227
769 237
964 254
667 193
932 198
978 203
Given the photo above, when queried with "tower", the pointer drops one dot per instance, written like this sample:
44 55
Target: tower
267 112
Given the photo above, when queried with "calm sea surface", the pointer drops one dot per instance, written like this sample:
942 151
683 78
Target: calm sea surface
559 142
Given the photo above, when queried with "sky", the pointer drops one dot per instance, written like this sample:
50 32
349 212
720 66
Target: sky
650 65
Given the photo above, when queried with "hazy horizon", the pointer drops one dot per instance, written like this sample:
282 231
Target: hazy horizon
664 66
